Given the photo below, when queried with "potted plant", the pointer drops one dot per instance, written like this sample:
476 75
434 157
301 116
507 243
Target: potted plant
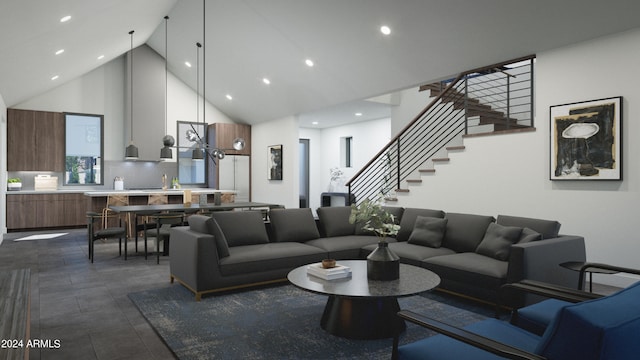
382 263
14 184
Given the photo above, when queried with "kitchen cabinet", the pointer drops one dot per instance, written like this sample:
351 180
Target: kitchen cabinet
32 211
35 140
221 136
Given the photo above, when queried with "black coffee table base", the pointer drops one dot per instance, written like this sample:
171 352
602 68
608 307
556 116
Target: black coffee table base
362 318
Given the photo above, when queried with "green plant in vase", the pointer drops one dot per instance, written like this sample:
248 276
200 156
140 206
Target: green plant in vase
374 218
382 263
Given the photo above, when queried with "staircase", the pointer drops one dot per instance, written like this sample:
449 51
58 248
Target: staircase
496 99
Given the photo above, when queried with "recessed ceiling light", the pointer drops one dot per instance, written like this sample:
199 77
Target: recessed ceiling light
314 123
358 114
266 81
55 77
229 97
59 51
188 64
385 29
65 18
309 62
100 57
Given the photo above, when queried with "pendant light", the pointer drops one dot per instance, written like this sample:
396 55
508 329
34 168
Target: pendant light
197 153
167 141
131 152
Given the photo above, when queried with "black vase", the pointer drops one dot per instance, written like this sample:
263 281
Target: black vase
383 264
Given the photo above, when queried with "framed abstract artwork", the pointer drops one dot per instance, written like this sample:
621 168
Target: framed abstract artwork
275 162
586 140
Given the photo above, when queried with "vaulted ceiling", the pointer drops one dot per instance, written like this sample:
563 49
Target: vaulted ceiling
249 40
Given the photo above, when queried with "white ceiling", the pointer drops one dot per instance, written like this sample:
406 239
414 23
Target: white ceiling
247 40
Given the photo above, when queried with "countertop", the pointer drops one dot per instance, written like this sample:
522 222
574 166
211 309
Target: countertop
156 191
100 193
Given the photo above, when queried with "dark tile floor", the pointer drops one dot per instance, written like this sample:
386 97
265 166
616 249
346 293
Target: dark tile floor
85 305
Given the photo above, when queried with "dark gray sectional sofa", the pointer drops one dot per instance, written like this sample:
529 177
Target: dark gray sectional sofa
473 254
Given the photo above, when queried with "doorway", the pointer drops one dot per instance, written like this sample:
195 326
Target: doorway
304 172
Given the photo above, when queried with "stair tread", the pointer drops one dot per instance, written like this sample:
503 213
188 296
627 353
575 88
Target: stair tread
440 159
458 147
427 170
414 180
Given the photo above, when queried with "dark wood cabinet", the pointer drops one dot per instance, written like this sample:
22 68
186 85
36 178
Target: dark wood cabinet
35 140
221 136
33 211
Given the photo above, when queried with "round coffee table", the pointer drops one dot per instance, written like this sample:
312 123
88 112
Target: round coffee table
359 308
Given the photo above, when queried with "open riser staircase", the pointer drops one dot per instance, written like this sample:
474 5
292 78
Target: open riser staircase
490 100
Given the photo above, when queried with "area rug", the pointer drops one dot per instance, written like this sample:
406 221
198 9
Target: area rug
280 322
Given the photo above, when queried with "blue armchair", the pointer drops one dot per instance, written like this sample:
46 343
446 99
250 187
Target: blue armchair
604 328
537 317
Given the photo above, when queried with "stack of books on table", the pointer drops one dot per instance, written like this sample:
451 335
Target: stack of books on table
336 272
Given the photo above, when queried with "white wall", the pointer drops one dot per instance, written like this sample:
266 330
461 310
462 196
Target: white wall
368 138
277 132
412 101
509 174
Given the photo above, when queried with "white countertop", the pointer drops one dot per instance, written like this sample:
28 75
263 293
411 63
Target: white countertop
156 191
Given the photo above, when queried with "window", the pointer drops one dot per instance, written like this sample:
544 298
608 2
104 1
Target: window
346 145
83 149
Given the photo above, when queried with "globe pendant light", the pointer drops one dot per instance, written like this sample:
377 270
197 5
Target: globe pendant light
167 141
131 152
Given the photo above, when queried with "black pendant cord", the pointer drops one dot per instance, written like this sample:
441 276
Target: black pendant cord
204 63
166 70
131 90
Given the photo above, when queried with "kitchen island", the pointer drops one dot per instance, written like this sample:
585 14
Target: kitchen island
98 199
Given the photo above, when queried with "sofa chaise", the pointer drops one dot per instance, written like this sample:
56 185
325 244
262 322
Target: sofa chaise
473 254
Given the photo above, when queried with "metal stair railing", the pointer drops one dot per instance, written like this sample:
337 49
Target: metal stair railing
499 96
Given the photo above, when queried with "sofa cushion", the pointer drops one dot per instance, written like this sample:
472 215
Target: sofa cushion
465 231
207 225
242 227
497 241
344 247
409 218
293 225
334 221
548 228
428 231
469 268
221 241
410 253
266 257
393 210
529 235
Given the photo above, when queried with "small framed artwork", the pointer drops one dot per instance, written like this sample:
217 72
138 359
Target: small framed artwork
586 140
275 162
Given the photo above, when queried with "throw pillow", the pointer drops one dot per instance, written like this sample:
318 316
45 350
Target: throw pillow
221 240
242 227
529 235
428 231
497 241
293 225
